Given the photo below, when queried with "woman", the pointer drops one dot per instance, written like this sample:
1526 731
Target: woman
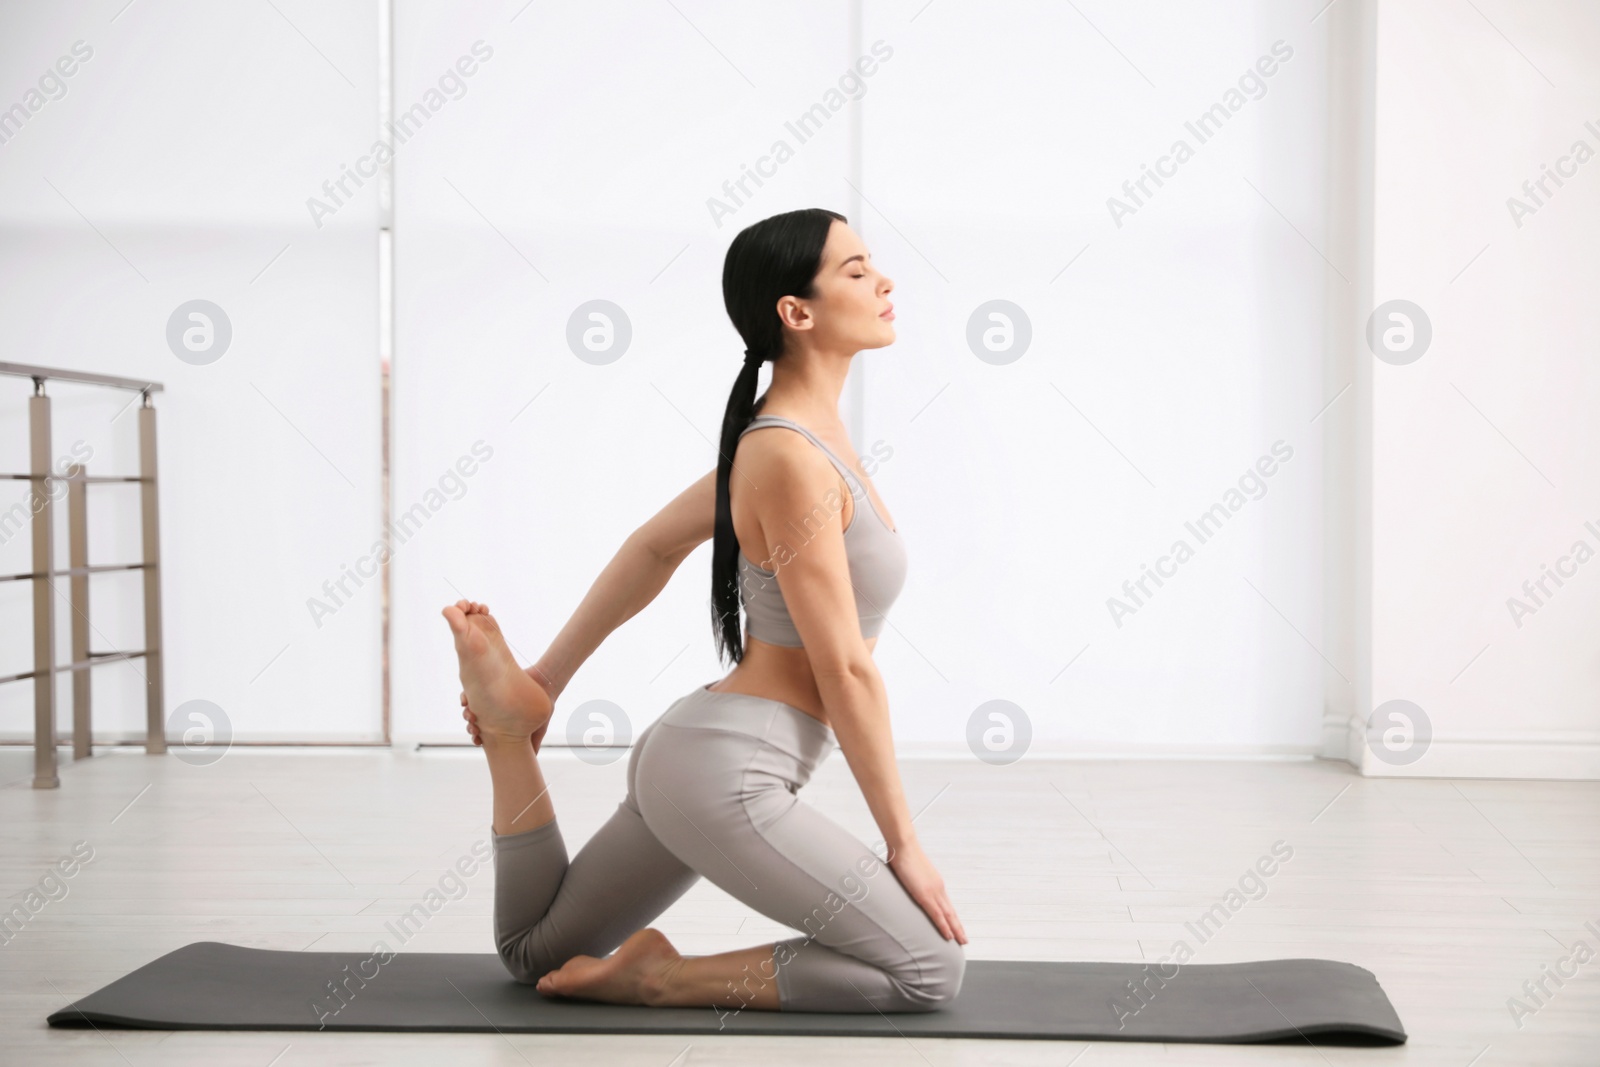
712 783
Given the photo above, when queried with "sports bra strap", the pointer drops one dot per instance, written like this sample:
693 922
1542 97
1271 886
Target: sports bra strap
858 491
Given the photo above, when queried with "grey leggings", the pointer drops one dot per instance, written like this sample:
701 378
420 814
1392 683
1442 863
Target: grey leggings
712 791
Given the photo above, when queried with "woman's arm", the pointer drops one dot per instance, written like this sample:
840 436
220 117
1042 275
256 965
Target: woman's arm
634 577
800 490
814 578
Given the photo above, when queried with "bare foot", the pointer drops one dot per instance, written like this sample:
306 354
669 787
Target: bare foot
638 972
507 704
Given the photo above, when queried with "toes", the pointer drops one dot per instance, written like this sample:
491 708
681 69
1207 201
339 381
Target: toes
456 618
472 607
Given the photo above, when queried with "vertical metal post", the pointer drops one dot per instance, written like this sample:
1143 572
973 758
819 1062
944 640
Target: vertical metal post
155 706
44 615
78 539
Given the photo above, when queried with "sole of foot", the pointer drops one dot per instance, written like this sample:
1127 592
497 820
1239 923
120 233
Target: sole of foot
508 705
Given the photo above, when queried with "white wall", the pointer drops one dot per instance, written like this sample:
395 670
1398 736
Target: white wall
1170 355
177 166
1486 451
576 165
1189 336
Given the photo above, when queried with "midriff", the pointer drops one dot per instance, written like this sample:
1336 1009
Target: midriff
778 673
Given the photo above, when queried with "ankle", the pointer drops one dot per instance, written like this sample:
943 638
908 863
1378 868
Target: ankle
659 986
542 676
506 742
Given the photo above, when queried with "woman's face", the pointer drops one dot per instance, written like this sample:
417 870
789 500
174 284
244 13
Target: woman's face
850 310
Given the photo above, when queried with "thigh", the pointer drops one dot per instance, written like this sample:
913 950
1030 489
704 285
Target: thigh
722 802
623 877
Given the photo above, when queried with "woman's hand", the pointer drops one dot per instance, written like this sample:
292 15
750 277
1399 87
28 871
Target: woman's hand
916 872
538 735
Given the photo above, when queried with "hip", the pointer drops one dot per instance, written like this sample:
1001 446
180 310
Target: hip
776 735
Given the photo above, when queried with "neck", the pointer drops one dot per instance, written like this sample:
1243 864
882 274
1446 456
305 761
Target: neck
806 385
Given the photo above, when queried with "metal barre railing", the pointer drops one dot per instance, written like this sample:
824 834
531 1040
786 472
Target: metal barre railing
41 501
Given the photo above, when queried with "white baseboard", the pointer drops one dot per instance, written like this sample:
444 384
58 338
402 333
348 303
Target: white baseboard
1544 756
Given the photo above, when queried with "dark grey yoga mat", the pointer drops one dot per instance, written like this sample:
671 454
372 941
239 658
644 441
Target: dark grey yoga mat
212 986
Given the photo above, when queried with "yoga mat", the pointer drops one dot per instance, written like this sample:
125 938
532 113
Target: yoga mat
213 986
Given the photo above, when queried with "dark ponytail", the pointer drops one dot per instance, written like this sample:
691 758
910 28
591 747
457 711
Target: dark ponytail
768 260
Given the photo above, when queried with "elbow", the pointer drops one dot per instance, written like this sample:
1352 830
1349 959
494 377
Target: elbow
645 543
846 663
845 677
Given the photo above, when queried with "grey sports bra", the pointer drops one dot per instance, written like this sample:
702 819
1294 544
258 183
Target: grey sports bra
876 555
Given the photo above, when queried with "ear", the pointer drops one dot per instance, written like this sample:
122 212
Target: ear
795 314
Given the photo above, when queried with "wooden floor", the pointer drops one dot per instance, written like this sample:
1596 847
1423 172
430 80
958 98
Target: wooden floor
1454 893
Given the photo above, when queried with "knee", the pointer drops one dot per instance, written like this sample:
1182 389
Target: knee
524 957
533 952
936 980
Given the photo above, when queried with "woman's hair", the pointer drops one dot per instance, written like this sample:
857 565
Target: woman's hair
768 260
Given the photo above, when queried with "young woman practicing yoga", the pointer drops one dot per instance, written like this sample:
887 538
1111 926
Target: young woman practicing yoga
712 784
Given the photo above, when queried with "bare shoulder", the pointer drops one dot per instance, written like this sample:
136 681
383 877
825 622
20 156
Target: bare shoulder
790 471
791 490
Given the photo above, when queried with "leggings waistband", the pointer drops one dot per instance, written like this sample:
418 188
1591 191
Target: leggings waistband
780 725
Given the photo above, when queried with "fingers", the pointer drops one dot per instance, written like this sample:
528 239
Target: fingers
936 913
943 913
955 922
952 920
